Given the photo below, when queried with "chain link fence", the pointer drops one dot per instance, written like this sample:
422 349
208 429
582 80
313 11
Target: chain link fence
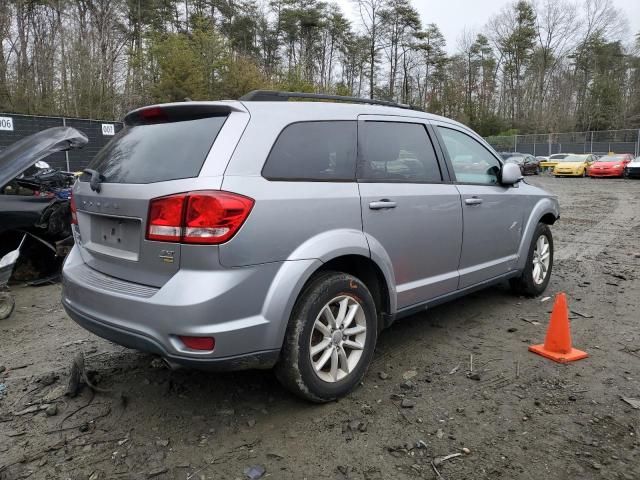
616 141
14 127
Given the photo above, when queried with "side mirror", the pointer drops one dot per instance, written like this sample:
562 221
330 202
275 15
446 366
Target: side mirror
510 174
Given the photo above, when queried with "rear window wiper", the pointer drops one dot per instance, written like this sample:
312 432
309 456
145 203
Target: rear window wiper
96 179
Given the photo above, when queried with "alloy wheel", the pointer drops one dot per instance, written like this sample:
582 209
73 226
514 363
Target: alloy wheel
338 338
541 259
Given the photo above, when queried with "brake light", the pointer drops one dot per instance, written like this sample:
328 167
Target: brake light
165 218
207 217
74 210
153 114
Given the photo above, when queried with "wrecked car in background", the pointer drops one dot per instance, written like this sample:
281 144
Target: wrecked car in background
35 199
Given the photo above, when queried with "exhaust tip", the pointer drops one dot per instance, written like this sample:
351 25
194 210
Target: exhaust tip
173 366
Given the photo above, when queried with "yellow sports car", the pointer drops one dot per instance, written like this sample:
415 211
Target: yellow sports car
573 165
550 163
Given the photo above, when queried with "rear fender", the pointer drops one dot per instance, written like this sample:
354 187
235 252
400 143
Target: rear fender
306 260
381 259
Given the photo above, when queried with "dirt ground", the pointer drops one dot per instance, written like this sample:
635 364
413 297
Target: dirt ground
517 416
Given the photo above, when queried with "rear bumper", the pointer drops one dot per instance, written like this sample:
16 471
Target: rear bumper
235 306
143 343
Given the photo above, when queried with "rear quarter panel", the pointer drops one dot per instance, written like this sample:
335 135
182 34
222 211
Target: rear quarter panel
291 220
294 221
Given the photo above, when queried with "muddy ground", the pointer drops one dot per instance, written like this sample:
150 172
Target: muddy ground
520 416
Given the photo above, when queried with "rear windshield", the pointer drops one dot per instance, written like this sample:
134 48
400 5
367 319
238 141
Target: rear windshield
157 152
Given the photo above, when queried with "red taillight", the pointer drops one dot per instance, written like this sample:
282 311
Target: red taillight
214 217
208 217
165 218
74 210
198 343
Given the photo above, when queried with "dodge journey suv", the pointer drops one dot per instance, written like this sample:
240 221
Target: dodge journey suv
267 233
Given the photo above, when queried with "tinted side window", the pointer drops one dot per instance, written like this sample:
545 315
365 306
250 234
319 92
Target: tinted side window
314 151
397 152
472 162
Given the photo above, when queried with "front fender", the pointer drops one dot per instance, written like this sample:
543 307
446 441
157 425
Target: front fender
542 208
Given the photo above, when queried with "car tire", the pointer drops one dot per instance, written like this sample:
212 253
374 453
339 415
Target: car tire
529 282
7 304
304 374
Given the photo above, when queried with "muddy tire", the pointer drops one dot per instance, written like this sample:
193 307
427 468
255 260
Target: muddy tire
330 338
536 275
7 304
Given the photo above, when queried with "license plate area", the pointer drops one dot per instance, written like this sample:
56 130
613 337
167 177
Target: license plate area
115 236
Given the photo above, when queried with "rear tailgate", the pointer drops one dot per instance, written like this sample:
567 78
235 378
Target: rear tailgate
162 150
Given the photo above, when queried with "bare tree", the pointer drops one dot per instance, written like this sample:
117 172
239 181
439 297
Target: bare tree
371 17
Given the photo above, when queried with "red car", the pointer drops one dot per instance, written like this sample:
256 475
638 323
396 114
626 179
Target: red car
610 165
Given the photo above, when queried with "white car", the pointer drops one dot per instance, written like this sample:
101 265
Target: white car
632 169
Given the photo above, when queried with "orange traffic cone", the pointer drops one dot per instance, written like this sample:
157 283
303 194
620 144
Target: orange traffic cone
557 343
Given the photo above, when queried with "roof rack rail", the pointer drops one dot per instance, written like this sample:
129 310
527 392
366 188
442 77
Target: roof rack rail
277 96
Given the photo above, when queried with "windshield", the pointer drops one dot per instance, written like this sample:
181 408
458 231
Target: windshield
517 160
611 158
558 156
574 158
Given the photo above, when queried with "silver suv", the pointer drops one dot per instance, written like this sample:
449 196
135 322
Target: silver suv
262 233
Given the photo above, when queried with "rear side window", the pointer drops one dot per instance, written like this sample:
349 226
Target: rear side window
314 151
397 152
157 152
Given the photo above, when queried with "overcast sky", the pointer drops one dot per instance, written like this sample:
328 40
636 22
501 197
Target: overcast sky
452 16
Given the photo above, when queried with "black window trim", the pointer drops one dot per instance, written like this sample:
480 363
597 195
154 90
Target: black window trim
454 179
306 179
444 172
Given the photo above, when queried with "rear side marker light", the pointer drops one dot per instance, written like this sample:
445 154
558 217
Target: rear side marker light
198 343
206 217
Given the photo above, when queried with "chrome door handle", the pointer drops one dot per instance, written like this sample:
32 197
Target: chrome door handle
473 201
382 204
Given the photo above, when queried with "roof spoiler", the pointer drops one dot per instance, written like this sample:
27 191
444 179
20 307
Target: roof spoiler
180 111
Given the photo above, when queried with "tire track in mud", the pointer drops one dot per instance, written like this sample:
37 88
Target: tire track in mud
593 241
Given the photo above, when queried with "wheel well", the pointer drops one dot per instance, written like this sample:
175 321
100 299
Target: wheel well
548 218
368 272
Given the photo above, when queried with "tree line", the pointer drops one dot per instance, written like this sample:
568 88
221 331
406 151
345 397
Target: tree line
548 65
